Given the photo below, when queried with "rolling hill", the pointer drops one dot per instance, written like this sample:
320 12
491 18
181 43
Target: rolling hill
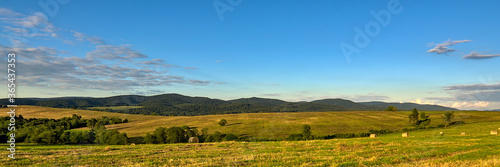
261 125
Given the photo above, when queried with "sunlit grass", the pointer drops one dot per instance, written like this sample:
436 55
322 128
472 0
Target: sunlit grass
264 125
422 148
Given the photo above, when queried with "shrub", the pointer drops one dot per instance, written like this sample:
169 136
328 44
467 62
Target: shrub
306 132
230 137
295 137
222 122
391 108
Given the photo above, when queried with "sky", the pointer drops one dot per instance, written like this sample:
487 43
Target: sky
428 52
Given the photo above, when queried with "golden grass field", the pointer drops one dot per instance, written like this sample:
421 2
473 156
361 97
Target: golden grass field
421 148
265 125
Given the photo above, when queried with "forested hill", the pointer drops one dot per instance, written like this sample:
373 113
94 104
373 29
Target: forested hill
176 104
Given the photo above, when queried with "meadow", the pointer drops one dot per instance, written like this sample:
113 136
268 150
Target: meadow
423 148
263 125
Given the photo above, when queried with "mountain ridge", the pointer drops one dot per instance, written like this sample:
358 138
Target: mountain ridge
177 104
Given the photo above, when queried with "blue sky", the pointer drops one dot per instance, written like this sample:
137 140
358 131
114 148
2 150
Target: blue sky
436 52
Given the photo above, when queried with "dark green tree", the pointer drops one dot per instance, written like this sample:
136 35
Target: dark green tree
414 117
391 108
91 123
306 131
448 117
160 135
176 135
423 116
222 122
150 139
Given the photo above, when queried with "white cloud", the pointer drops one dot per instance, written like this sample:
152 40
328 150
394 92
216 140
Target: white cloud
419 101
108 67
43 67
443 47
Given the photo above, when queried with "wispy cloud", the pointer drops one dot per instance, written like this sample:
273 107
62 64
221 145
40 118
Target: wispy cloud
83 37
443 48
477 56
367 97
271 94
28 26
112 52
474 87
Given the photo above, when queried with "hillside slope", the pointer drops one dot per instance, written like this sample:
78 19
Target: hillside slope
410 106
262 125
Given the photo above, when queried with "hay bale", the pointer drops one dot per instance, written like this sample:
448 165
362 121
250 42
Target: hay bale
373 135
406 134
441 133
193 140
107 148
463 134
133 144
494 132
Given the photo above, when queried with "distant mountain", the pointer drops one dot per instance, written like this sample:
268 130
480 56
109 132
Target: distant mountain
410 106
176 104
349 104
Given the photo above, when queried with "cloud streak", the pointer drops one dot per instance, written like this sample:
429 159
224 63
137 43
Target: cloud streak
477 56
474 87
443 48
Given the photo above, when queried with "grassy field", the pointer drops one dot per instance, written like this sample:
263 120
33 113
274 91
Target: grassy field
422 148
263 125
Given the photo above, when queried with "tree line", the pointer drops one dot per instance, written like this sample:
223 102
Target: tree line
59 131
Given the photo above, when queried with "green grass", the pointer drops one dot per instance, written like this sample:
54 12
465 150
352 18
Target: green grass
263 125
422 148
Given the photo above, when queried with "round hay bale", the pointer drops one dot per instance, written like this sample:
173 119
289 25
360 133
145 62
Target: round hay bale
406 134
441 133
373 135
463 133
193 140
133 144
494 132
